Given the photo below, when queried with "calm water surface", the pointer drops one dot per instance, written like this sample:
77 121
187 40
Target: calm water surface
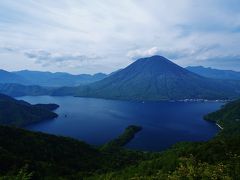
97 121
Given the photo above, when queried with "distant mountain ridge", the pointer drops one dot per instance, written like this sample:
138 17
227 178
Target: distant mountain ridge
8 77
49 79
16 90
154 78
214 73
157 78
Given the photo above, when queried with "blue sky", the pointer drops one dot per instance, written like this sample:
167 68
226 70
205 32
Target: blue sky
80 36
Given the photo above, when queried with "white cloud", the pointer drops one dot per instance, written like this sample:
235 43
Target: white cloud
138 53
188 32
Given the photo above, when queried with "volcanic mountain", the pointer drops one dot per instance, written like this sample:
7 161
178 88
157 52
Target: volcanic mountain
155 78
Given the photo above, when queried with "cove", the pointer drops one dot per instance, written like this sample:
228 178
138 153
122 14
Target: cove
97 121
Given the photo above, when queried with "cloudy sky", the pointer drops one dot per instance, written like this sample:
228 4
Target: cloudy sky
89 36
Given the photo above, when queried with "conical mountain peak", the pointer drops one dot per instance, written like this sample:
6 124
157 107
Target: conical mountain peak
156 78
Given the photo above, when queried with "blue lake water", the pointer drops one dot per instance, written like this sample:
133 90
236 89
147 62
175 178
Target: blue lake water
97 121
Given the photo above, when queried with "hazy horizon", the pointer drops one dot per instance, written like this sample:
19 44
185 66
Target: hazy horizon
47 71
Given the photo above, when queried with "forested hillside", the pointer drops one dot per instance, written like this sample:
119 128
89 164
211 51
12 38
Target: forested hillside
20 113
40 155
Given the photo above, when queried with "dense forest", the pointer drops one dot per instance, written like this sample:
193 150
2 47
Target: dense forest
20 113
31 155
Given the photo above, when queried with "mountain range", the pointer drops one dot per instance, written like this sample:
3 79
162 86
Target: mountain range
16 90
214 73
49 79
8 77
59 79
152 78
156 78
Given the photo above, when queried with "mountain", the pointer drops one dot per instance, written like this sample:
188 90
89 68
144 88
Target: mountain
20 113
156 78
214 73
57 79
8 77
153 78
49 79
16 90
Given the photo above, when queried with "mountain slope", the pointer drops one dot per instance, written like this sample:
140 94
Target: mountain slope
228 117
16 90
156 78
47 155
214 73
55 157
20 113
8 77
58 79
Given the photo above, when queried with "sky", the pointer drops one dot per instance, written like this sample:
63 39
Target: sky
90 36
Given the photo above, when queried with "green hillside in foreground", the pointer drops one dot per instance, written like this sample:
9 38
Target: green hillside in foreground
20 113
37 156
227 117
53 157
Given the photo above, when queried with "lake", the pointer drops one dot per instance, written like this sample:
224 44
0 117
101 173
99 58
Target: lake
97 121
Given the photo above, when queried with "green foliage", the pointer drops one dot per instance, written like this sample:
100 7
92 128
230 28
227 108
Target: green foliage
20 113
47 155
228 117
123 139
54 156
23 174
189 168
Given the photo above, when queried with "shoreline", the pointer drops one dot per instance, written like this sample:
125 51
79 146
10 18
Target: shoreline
203 100
132 100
